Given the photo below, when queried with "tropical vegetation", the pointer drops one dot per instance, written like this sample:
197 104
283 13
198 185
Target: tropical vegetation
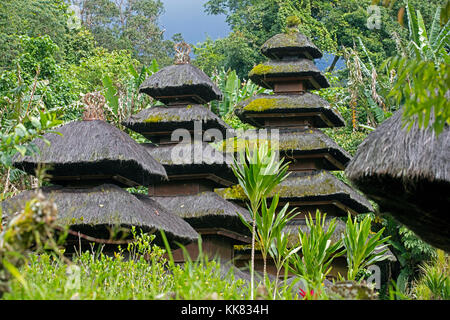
51 57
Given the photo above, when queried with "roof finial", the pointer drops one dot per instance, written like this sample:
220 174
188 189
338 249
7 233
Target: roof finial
94 102
293 22
182 50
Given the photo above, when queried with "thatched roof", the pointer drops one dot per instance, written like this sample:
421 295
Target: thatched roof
297 106
152 121
290 44
207 210
267 73
176 82
408 174
309 187
294 143
107 205
92 148
192 159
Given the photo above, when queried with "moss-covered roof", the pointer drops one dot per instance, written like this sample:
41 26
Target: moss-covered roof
176 82
292 143
106 205
290 44
300 105
199 158
166 119
318 186
207 210
92 148
265 74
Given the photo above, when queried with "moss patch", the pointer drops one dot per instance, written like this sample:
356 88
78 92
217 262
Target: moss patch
261 69
300 66
234 192
261 104
238 144
293 21
160 118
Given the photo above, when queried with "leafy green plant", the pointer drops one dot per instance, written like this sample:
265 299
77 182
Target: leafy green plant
234 91
258 172
367 90
312 262
281 252
361 247
32 227
18 140
125 99
410 252
269 225
142 270
434 283
423 76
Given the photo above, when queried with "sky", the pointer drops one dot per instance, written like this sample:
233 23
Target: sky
189 18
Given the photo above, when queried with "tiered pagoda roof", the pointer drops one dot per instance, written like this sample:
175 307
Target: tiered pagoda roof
92 210
181 83
290 44
207 208
304 189
307 146
268 74
263 110
88 162
92 150
298 114
160 121
193 167
202 161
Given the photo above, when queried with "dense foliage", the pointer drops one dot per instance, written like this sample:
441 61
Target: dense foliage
51 59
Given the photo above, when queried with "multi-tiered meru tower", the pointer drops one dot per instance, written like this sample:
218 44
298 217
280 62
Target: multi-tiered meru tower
299 114
180 132
90 162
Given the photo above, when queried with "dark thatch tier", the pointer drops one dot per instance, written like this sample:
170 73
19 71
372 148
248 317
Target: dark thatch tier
408 175
290 44
193 160
263 107
183 82
308 188
161 120
85 209
298 145
207 210
93 150
268 73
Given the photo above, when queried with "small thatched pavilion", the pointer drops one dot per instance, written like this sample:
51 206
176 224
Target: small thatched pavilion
193 166
408 174
89 162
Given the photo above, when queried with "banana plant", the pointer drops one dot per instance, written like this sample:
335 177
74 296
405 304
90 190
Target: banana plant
422 73
234 91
